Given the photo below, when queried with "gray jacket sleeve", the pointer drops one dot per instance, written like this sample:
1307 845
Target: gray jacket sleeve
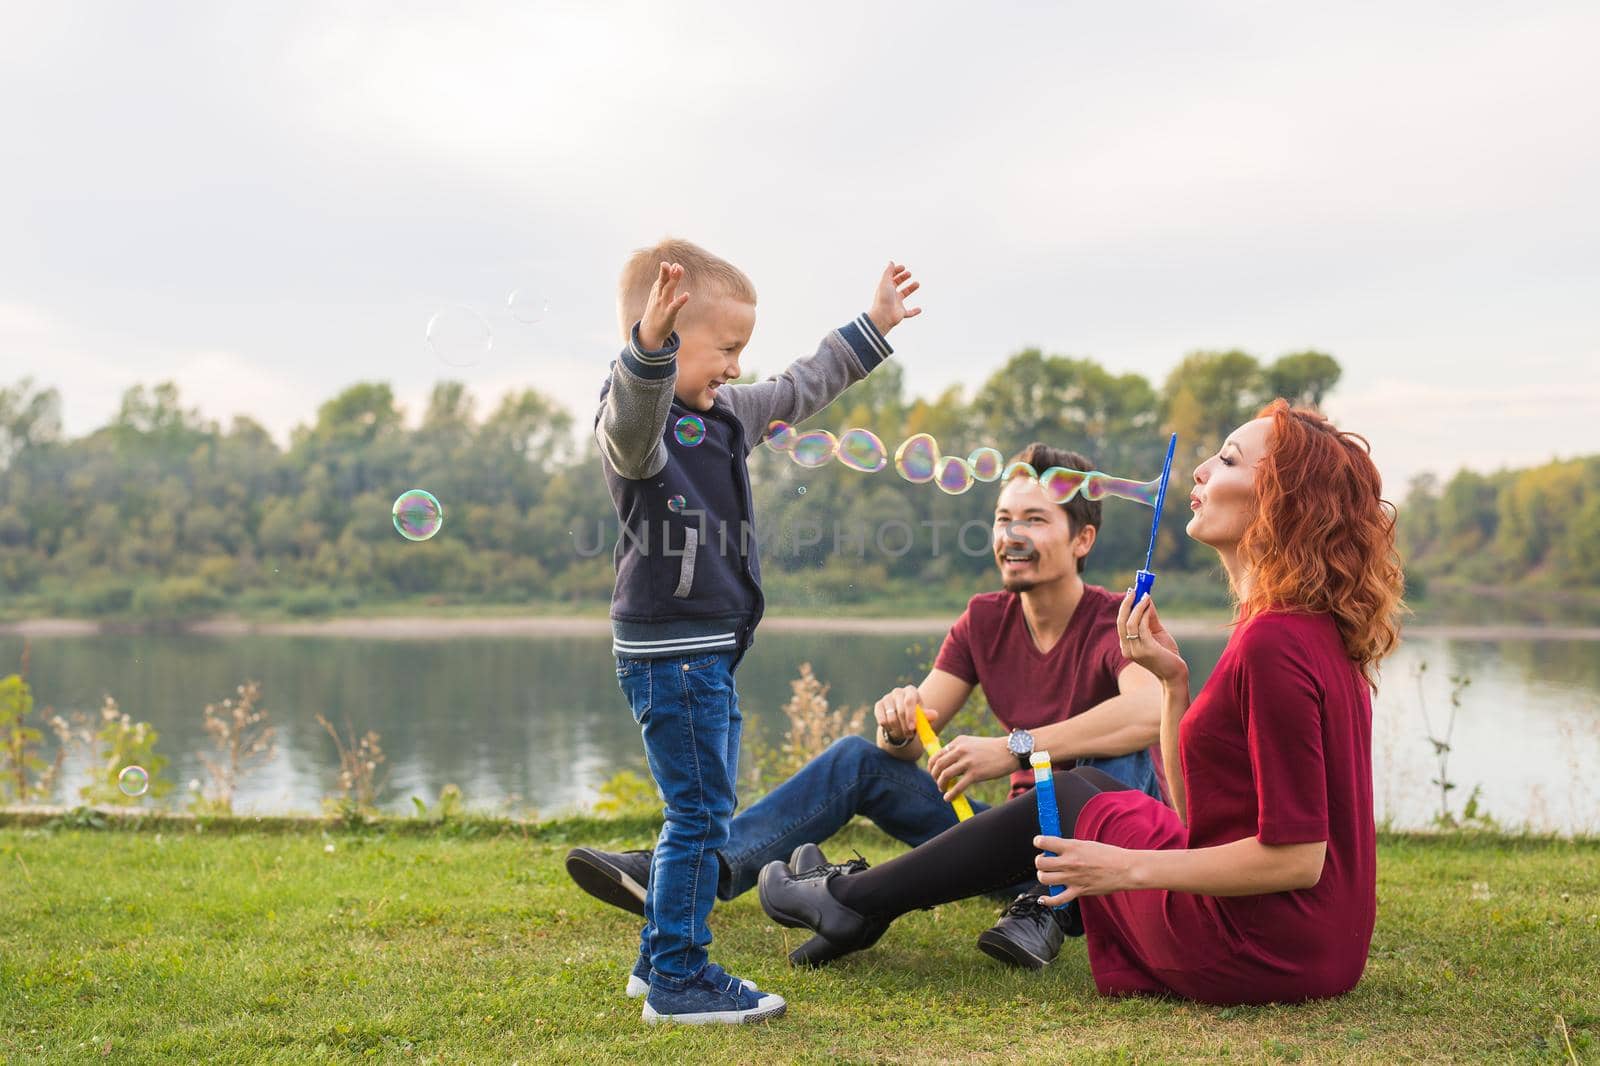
633 415
810 383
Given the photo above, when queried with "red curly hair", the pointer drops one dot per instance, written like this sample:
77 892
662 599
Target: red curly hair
1322 537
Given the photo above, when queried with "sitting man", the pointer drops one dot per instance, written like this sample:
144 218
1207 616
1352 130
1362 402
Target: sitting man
1045 651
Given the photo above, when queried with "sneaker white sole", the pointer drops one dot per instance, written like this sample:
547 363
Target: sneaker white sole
768 1006
637 986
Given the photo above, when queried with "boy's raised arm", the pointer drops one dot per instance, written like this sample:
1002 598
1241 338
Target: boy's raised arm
633 414
844 357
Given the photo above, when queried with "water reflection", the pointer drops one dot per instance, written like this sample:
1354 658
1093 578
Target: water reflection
539 723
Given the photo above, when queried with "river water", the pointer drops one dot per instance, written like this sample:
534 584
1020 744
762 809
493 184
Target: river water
537 723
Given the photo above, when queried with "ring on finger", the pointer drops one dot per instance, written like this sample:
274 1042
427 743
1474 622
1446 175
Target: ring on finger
1132 636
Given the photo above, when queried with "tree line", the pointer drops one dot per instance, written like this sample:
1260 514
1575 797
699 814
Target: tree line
1536 528
165 514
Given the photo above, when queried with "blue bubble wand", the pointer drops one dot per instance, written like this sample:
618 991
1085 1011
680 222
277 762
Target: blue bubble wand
1146 578
1044 792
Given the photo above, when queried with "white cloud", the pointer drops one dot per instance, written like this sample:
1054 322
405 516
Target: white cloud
220 383
266 203
1486 425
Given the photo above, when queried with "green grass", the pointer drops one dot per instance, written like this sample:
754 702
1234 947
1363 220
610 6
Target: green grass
247 941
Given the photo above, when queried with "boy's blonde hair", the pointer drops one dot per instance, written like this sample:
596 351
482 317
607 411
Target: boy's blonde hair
704 274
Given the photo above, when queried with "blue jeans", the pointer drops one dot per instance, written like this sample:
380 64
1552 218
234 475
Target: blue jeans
688 711
854 776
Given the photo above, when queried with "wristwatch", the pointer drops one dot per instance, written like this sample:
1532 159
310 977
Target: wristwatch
1020 744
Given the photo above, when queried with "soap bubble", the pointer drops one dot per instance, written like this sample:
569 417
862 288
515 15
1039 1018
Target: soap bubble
690 430
417 514
814 448
1098 486
801 490
917 458
133 781
459 336
986 463
527 305
780 436
1060 484
676 504
1020 469
860 449
955 476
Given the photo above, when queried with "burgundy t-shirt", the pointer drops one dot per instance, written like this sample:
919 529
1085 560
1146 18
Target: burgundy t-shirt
1277 745
990 646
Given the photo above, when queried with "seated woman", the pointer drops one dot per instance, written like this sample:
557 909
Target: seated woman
1261 885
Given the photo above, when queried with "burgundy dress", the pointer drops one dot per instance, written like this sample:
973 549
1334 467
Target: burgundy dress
1277 745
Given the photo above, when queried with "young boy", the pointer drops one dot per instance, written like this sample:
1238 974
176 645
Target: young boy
674 436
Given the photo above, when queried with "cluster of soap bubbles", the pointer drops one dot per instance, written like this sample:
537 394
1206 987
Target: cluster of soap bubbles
134 781
460 335
918 460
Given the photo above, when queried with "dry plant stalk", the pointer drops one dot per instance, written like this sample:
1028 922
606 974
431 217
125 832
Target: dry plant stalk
240 731
21 740
813 725
358 763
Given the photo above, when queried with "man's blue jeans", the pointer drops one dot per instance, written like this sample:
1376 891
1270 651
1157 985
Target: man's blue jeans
688 711
853 777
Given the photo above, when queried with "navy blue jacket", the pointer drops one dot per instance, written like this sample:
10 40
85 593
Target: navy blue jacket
688 571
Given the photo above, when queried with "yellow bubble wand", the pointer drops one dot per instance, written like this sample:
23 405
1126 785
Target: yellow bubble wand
930 744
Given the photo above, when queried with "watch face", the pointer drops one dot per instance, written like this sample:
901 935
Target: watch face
1020 743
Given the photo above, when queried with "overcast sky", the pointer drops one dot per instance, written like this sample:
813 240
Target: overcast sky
266 202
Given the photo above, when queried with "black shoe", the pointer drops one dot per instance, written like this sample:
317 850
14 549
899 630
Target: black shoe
819 951
1028 934
806 857
619 878
804 902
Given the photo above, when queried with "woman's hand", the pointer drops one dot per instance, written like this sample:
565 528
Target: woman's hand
1146 641
1086 867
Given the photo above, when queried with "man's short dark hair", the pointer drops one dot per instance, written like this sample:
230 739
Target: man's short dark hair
1080 512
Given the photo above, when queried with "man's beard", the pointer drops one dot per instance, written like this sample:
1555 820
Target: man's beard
1018 584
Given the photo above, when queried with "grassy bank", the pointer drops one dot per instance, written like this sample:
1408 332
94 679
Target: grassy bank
786 594
282 941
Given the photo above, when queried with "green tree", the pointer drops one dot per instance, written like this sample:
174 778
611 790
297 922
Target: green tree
1302 378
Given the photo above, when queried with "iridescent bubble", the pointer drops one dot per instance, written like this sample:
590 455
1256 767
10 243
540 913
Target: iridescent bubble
1097 486
690 430
917 458
814 448
527 305
860 449
1020 469
780 436
986 463
459 336
1061 484
417 514
801 490
133 781
955 476
676 504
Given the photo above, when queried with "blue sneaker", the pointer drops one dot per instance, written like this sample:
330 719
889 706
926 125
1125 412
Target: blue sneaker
713 997
639 978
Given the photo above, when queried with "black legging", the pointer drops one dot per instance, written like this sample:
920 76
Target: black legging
982 854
